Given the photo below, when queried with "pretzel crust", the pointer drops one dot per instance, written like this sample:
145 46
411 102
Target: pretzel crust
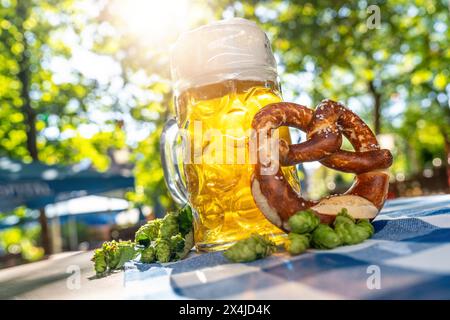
324 127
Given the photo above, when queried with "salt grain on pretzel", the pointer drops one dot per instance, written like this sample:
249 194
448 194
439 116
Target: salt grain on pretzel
325 126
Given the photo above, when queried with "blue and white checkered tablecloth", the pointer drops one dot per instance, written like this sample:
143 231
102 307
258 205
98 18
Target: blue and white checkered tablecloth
407 258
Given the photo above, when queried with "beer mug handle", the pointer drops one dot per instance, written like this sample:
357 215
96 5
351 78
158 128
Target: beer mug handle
170 162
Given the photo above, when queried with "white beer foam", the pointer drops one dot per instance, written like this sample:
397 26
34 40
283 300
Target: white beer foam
223 50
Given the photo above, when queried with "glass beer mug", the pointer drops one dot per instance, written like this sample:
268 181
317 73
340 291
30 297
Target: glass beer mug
223 73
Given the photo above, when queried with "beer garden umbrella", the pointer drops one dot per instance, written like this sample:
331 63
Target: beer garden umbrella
35 185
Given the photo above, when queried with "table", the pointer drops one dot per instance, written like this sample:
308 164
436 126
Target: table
407 258
62 276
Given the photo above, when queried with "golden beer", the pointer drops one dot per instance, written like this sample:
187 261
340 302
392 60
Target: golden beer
219 190
222 74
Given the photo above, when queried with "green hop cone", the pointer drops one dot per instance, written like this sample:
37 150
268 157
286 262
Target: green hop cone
343 217
250 249
188 244
303 222
163 252
297 243
99 260
111 250
117 253
344 225
148 232
365 223
324 237
169 226
351 232
148 255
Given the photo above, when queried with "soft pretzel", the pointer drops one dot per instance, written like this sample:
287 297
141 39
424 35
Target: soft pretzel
324 126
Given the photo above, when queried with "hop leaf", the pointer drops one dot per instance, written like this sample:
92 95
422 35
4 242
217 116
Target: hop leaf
126 252
185 219
297 243
188 244
250 249
303 222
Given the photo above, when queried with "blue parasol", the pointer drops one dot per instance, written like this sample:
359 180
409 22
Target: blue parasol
36 184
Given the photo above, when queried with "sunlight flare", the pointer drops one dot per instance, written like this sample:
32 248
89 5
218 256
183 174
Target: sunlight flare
154 19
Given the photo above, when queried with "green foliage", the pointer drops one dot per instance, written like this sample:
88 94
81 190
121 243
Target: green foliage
188 245
148 57
52 108
185 219
33 98
23 241
402 65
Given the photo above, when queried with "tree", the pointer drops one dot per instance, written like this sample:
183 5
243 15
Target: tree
335 50
37 108
139 40
35 100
